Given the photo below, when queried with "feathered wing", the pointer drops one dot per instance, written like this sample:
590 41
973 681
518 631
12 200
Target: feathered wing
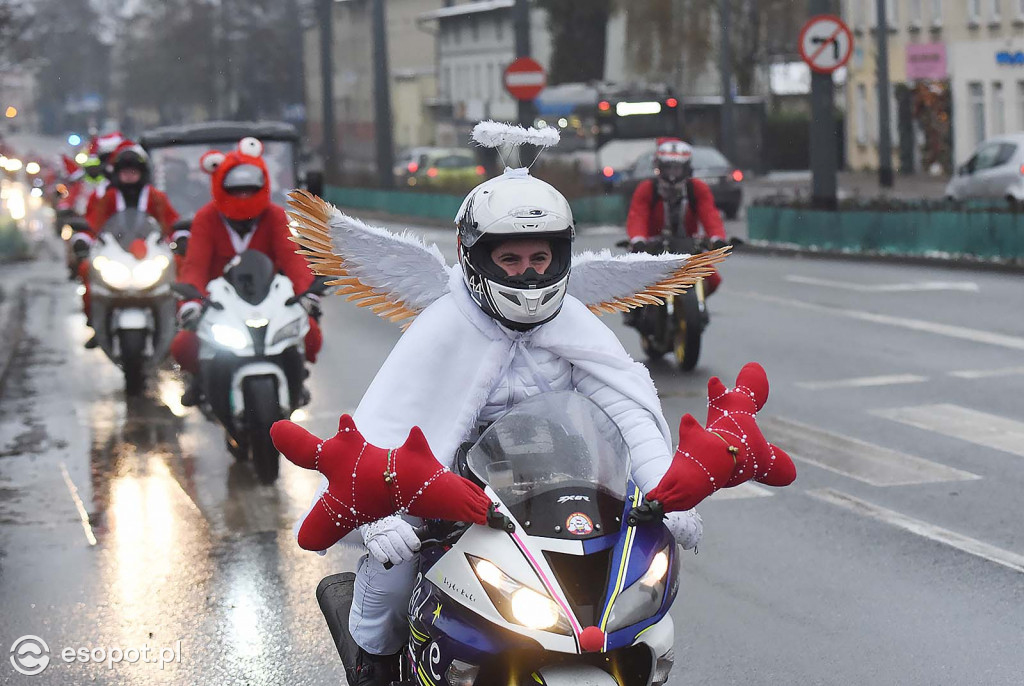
396 276
615 283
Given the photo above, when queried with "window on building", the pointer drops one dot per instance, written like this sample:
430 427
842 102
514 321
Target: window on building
492 82
478 91
915 13
995 13
937 13
862 114
499 26
474 27
872 13
446 82
976 104
973 11
998 109
855 11
1020 9
892 13
1020 105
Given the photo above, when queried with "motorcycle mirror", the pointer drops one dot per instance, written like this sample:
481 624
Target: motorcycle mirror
182 225
180 246
186 291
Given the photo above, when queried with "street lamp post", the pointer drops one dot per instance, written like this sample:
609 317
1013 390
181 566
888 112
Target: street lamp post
885 173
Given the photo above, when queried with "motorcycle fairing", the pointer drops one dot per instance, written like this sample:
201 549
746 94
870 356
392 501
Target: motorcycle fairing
239 314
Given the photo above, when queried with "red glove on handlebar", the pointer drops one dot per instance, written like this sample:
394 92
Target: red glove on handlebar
729 451
367 483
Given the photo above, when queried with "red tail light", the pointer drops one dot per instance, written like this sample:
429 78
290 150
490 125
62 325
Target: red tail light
480 171
432 172
1022 170
671 102
608 172
413 167
737 175
604 105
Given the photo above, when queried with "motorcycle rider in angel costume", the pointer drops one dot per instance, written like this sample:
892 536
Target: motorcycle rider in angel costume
517 316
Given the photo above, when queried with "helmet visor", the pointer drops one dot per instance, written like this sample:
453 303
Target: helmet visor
245 178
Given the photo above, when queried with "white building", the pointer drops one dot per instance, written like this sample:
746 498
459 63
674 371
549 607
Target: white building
475 42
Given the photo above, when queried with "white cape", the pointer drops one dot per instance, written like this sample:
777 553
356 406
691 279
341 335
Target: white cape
445 366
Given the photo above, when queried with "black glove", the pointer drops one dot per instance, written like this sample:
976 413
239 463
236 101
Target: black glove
638 246
80 245
311 304
189 315
717 243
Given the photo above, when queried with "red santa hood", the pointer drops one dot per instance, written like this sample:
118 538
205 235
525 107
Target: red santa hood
219 165
72 171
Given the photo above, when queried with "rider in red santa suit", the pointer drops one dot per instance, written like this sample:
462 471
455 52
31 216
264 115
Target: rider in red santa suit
673 183
129 189
241 217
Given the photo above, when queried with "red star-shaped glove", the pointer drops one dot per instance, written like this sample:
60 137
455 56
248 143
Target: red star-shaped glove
729 451
367 483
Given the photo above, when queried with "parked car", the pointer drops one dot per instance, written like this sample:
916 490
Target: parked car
995 170
709 165
441 167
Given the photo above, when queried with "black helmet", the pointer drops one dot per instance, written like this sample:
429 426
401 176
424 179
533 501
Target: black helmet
132 157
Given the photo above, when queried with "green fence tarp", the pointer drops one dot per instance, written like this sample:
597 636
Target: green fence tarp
984 235
597 209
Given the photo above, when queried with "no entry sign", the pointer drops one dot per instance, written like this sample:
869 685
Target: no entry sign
525 78
826 43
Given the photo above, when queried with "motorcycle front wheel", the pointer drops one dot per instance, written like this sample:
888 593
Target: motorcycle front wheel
261 411
688 330
133 360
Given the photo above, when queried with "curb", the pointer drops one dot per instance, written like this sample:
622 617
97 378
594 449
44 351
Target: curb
12 326
759 248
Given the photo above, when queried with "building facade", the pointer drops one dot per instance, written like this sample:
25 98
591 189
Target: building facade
957 72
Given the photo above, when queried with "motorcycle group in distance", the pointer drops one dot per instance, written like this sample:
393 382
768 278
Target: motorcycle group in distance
245 338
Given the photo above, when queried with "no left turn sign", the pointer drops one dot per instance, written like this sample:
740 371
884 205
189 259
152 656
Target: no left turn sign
826 43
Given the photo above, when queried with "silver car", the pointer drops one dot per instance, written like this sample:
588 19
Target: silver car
995 170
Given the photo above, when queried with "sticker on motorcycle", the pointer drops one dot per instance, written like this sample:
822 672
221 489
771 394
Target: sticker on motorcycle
579 524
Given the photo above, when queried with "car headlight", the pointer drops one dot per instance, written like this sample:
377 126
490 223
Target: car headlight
148 272
115 274
643 598
287 331
517 603
229 336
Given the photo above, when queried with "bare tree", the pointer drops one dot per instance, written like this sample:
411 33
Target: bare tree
579 35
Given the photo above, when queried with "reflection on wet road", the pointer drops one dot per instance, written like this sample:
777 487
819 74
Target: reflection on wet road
127 524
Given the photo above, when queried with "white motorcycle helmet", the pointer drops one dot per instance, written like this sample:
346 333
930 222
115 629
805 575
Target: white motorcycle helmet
512 206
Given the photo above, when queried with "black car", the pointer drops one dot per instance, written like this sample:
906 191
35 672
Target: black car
709 165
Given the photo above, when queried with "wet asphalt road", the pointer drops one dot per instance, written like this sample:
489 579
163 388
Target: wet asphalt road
897 557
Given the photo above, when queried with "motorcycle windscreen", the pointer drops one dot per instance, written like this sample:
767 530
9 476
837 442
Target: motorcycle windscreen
251 275
558 463
129 226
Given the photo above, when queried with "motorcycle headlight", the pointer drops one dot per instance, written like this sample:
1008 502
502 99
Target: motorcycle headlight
287 331
115 274
148 272
229 336
517 603
642 599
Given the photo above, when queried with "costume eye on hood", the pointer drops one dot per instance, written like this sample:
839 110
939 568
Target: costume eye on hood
248 156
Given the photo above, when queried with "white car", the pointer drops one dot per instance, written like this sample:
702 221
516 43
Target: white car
995 170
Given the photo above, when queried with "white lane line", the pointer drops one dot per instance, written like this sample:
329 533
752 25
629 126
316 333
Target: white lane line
987 373
744 490
79 505
966 544
863 381
920 286
980 428
961 332
854 458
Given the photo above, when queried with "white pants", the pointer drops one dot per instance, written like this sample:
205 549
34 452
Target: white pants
379 620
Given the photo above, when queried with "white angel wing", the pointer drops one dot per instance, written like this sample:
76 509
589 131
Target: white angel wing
615 283
397 276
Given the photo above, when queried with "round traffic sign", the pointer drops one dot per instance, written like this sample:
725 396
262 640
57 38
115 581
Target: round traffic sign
525 78
826 43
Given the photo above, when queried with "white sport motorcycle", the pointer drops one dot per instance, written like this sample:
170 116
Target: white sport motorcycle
132 309
252 360
569 584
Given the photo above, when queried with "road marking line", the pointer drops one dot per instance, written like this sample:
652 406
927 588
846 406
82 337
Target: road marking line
871 464
965 544
980 428
744 490
963 333
987 373
79 505
921 286
863 381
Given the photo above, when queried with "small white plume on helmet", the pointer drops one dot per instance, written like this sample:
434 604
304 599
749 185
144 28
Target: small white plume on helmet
515 205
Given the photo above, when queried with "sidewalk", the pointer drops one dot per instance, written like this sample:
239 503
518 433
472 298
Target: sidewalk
851 185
